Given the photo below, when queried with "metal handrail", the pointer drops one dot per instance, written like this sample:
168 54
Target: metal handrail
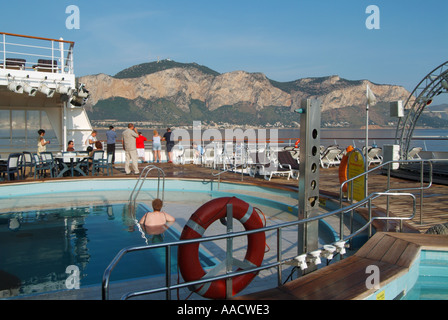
388 164
141 179
61 52
278 264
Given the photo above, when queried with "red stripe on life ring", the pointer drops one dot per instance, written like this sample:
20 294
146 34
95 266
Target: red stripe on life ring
188 254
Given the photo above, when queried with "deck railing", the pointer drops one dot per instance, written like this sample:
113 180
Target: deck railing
22 52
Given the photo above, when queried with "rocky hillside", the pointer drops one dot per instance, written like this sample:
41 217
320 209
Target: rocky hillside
174 93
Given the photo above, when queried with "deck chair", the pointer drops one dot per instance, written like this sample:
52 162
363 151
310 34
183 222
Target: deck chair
27 162
47 160
178 153
13 166
188 156
330 157
414 153
374 156
286 159
295 152
208 158
40 167
275 168
106 164
97 160
256 161
228 155
270 166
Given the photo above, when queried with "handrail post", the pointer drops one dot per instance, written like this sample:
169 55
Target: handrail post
229 251
279 256
387 197
168 272
421 192
4 51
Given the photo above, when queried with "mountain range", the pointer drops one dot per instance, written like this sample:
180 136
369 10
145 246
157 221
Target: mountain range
176 94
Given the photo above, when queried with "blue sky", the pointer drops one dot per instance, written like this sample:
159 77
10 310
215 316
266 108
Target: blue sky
284 39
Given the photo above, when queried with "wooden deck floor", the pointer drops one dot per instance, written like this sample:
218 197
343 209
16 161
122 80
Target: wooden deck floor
392 253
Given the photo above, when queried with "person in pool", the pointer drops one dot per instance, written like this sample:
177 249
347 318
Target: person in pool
156 222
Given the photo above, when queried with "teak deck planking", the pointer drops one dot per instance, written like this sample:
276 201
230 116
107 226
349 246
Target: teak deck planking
393 253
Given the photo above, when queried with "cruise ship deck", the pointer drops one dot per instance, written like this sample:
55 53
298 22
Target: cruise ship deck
433 211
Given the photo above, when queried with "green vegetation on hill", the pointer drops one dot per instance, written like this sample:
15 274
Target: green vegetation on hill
152 67
166 112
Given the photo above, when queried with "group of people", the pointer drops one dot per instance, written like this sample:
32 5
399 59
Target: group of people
133 144
134 147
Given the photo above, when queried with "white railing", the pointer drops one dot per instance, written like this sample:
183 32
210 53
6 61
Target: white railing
20 52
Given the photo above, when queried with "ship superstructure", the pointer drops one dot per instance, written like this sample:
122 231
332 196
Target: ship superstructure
38 90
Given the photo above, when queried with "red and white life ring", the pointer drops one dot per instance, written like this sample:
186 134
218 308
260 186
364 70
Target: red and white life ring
296 145
188 254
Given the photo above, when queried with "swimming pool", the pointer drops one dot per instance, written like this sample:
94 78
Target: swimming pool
432 280
97 208
38 246
426 279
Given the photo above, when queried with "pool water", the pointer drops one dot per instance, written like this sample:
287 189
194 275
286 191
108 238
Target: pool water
432 281
38 246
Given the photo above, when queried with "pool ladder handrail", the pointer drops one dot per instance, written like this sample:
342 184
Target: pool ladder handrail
142 179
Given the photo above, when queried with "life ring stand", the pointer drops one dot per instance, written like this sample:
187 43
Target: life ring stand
188 254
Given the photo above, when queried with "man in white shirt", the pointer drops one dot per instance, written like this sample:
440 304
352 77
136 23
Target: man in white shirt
130 147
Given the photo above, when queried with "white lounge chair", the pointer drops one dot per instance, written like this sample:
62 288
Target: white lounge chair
414 153
330 157
287 160
268 166
188 156
374 156
178 152
208 158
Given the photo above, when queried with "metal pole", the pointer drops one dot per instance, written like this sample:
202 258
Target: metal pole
367 146
421 192
309 175
229 251
168 272
279 256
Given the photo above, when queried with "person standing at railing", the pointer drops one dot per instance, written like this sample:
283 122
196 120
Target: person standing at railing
141 146
156 146
111 140
168 137
130 136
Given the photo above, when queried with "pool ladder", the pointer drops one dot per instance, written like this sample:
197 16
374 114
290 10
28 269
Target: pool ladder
139 184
